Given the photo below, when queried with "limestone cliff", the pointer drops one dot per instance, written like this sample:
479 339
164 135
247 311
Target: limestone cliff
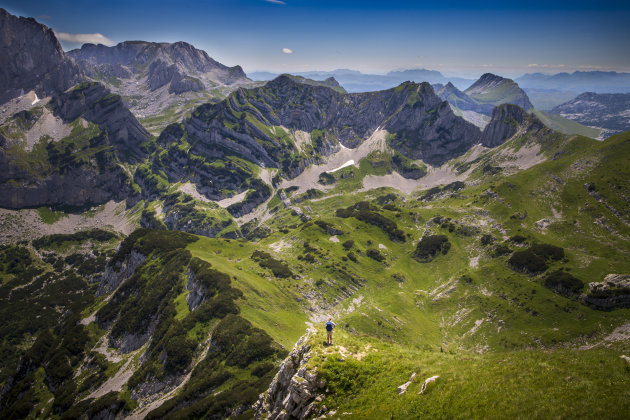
32 59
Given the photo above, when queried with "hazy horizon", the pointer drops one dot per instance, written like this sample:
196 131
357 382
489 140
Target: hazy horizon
456 38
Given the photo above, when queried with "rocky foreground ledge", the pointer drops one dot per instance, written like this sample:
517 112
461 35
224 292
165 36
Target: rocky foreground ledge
294 391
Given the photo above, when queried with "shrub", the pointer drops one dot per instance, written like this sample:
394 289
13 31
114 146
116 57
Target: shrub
399 277
517 239
487 239
326 179
501 250
348 244
563 283
430 247
58 239
352 257
527 261
375 254
265 260
548 251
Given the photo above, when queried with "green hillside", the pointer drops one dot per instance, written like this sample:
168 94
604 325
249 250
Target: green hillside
565 125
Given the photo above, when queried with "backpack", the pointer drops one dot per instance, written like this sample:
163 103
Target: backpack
329 326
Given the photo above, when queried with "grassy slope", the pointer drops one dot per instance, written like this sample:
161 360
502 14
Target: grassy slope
565 125
507 316
266 304
506 92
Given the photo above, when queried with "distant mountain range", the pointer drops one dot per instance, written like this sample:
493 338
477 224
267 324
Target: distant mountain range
355 81
579 81
609 111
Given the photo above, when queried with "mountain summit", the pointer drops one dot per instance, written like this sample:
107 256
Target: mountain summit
32 59
497 90
180 65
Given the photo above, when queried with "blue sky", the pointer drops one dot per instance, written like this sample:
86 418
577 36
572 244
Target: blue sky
465 38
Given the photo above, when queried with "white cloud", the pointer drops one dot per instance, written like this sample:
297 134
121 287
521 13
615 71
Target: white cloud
85 38
532 65
276 2
287 51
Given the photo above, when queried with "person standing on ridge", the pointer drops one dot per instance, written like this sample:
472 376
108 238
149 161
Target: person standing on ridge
330 326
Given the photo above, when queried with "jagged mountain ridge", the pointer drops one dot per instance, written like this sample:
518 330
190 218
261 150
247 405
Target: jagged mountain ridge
411 109
165 63
32 59
159 82
460 100
68 148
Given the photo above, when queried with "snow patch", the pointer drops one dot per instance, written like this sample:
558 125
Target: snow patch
348 163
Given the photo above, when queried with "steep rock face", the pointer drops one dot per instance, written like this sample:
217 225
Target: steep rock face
83 168
161 62
119 272
610 111
424 125
506 121
612 293
294 389
94 103
496 90
32 59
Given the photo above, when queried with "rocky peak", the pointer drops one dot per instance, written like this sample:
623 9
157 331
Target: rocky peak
486 81
32 59
507 120
497 90
137 55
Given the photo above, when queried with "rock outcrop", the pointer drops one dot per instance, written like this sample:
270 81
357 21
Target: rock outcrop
613 292
507 120
116 274
293 393
32 59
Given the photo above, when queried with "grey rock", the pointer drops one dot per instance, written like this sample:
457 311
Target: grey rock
294 391
116 274
96 104
163 61
460 100
32 59
507 120
197 292
61 180
612 293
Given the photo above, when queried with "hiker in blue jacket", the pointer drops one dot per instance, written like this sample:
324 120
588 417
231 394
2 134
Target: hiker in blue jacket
330 326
